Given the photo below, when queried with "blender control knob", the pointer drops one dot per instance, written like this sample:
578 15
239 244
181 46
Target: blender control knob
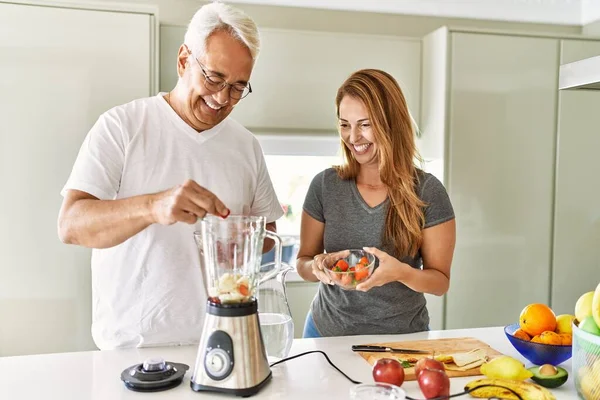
217 363
219 357
154 364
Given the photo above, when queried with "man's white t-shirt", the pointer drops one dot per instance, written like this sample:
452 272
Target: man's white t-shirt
148 291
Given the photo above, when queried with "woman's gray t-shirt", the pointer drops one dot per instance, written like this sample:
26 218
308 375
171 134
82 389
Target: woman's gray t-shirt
350 223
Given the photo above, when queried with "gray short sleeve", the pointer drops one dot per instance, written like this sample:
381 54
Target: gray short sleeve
438 208
313 202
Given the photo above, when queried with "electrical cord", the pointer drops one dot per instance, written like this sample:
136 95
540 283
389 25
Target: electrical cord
326 357
407 397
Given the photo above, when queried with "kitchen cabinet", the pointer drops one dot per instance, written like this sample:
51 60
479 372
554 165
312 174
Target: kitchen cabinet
297 74
490 106
500 174
60 68
300 296
576 254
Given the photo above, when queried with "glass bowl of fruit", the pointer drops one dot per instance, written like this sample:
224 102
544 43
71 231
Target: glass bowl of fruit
546 348
349 271
377 391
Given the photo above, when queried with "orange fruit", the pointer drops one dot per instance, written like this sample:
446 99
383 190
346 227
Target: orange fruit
537 318
566 338
536 339
521 334
550 337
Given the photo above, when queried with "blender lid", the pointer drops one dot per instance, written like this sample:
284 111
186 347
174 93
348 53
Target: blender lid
153 375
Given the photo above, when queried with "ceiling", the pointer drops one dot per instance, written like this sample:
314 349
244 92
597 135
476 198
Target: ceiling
561 12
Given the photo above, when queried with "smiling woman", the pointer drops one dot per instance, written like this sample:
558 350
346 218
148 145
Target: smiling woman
380 201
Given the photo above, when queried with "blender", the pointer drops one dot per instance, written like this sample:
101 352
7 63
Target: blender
231 354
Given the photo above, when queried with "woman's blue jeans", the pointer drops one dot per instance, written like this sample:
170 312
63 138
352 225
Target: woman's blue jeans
310 330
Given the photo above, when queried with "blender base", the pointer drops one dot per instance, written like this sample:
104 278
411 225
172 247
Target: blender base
245 392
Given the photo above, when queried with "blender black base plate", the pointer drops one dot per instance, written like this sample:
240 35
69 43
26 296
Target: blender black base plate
246 392
154 375
168 386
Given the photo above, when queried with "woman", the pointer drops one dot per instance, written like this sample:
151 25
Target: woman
380 201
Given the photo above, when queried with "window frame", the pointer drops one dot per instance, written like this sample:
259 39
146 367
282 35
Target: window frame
325 145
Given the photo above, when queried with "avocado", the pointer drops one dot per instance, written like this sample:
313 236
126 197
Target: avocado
549 376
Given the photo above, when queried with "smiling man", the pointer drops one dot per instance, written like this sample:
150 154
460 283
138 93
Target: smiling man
149 169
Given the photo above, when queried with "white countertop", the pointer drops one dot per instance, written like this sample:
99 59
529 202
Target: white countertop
96 375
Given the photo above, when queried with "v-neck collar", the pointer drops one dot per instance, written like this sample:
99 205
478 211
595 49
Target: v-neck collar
362 201
199 137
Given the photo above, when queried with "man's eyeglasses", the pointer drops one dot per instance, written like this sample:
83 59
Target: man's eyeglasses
215 83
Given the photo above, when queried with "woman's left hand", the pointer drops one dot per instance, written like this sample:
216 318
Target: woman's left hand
390 269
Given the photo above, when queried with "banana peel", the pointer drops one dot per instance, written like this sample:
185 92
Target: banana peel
504 388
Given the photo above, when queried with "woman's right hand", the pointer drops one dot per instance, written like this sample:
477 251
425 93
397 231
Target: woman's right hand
327 260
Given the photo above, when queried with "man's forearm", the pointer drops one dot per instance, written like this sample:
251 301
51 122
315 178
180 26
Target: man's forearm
105 223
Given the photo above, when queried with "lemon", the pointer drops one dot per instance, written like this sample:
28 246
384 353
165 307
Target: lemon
563 323
583 307
505 367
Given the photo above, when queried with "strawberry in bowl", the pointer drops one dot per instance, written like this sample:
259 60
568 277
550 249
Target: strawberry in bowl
350 271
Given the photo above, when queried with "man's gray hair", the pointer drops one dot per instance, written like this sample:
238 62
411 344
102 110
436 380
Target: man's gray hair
215 16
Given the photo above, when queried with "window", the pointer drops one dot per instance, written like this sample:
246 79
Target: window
293 161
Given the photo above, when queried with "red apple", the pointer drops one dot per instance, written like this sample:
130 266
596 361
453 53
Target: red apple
428 362
388 370
434 383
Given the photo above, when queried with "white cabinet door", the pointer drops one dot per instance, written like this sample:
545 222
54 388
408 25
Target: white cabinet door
503 100
300 296
576 261
59 69
432 143
297 75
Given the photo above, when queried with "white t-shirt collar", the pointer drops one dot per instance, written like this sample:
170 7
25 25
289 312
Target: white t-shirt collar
200 137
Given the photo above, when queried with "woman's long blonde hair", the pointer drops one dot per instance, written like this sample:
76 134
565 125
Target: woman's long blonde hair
393 130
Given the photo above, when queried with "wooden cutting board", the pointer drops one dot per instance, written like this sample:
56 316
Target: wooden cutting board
437 347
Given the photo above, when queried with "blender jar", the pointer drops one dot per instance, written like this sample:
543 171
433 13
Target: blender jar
230 256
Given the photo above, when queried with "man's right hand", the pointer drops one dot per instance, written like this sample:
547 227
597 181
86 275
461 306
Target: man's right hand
186 203
326 261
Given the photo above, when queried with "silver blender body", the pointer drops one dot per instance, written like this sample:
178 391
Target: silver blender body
231 354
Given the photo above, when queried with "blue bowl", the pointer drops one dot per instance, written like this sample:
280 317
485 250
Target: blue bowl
538 353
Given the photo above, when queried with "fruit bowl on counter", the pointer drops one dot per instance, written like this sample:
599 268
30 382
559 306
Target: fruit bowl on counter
348 272
538 353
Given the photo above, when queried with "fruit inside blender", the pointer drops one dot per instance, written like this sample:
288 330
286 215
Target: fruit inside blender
231 288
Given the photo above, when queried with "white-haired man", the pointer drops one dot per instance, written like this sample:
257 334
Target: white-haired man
147 171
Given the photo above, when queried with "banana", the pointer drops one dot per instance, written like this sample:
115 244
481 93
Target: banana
498 388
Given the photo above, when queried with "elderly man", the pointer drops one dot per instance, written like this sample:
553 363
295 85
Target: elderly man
149 169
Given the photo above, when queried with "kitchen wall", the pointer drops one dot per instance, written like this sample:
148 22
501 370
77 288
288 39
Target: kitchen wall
175 14
590 11
178 12
592 29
